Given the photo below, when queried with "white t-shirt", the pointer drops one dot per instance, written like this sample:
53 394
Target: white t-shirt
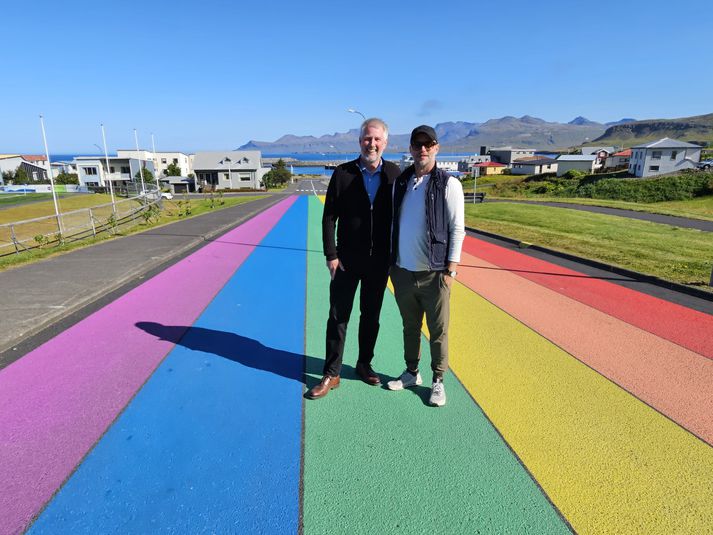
413 229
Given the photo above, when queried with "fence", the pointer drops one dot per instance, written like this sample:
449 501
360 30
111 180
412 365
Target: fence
75 225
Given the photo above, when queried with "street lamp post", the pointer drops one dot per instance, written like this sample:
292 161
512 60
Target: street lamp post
230 171
352 110
49 175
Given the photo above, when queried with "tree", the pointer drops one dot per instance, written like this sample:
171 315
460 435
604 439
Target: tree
278 176
67 178
148 176
21 176
173 169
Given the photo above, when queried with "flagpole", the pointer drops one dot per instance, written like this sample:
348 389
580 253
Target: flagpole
141 168
49 174
111 182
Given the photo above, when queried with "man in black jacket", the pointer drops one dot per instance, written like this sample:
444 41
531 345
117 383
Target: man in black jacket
359 199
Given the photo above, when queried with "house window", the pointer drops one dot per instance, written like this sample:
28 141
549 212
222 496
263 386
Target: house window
111 169
245 178
125 170
175 160
674 154
90 170
226 176
163 160
656 155
653 168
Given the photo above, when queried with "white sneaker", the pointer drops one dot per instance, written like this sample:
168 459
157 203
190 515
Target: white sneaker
438 394
405 380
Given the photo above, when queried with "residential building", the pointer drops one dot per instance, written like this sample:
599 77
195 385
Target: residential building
663 156
237 169
13 162
466 164
579 162
602 153
489 168
618 159
534 165
507 155
93 172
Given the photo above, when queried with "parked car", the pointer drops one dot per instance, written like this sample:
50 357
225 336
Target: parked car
705 165
166 195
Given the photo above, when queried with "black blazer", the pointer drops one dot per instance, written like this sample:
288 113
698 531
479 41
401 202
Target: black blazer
361 231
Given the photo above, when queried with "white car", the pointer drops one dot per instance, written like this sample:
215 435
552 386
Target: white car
166 195
705 165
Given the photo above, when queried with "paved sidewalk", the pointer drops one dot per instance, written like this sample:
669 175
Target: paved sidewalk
39 294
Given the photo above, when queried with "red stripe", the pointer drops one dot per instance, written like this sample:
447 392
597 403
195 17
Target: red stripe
683 326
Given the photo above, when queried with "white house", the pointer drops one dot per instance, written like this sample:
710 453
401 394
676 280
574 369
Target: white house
534 165
602 153
580 162
618 159
236 169
663 156
162 160
12 162
93 171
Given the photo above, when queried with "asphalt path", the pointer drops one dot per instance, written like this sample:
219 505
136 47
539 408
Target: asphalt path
674 221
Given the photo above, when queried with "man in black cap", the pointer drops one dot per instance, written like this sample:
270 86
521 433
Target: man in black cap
427 236
359 199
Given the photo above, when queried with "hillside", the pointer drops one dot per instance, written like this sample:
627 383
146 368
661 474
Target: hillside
460 136
698 128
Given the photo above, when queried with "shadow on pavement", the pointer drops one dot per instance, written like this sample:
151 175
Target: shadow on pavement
245 351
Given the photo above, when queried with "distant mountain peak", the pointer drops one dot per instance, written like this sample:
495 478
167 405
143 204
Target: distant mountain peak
582 121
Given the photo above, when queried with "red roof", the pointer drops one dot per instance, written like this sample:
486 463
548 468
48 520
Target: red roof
34 157
489 164
624 153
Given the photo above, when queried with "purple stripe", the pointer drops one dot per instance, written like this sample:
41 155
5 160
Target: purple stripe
57 401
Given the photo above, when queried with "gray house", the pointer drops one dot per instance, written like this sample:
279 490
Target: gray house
663 156
236 169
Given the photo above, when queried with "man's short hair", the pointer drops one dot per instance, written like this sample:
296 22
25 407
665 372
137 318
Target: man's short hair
374 121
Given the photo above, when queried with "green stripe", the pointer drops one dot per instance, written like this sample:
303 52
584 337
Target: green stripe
384 461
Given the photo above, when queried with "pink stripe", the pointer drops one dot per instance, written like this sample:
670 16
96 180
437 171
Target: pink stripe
57 401
684 326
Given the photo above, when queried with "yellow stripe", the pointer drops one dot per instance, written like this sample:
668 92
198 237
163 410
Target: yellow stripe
610 463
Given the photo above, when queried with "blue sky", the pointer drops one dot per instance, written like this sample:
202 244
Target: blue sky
212 75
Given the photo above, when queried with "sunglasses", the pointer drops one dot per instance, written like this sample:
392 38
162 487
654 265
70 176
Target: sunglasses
418 145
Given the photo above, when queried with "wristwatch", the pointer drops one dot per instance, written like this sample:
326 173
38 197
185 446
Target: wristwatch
451 274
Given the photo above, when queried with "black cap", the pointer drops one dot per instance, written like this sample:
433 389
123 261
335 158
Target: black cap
424 129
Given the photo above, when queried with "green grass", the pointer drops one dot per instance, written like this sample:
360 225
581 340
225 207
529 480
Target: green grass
170 214
698 208
67 203
10 199
671 253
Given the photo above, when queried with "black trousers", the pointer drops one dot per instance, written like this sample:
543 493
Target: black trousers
372 275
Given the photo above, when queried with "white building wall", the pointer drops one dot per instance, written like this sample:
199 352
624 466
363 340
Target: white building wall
565 165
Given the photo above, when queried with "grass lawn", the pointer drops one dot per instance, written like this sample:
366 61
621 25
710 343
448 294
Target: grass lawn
9 199
671 253
172 211
67 203
698 208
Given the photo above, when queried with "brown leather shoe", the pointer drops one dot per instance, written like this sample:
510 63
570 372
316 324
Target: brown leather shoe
322 389
367 374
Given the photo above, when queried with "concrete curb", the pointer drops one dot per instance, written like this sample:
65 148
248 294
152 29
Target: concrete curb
51 318
675 286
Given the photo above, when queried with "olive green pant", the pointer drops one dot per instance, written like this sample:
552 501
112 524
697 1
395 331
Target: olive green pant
420 293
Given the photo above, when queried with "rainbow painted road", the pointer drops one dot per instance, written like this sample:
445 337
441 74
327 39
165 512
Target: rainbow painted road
574 405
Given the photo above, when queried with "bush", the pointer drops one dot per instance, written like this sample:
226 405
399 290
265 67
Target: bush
574 173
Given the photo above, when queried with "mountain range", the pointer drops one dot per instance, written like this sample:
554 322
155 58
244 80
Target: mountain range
525 132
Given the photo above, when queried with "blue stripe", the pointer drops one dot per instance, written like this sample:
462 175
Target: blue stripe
212 441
